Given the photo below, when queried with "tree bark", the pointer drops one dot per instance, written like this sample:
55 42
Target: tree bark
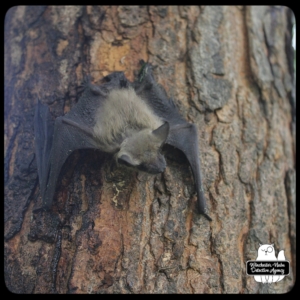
230 71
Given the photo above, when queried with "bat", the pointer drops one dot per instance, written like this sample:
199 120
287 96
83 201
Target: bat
131 120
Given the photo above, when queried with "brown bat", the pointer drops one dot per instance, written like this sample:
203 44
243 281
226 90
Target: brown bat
130 120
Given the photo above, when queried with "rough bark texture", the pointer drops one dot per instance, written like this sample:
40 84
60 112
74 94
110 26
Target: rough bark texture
230 72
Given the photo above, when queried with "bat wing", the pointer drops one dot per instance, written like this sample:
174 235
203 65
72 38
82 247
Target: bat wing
43 131
185 138
53 146
182 135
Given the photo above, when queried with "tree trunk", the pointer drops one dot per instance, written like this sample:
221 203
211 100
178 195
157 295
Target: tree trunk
230 71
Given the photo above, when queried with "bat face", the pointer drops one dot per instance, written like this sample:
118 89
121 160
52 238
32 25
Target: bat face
142 150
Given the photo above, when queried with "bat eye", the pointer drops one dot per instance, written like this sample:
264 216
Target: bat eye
270 249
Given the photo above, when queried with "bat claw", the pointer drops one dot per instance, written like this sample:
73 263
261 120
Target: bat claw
207 217
39 209
142 62
86 80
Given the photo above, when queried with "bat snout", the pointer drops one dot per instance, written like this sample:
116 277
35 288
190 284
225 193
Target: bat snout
161 164
155 167
161 169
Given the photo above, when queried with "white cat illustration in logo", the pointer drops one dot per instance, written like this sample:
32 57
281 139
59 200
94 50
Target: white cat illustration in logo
267 253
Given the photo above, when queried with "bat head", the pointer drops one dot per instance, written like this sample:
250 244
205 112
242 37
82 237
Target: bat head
142 150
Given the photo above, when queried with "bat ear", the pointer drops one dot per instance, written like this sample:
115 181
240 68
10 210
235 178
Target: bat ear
125 160
162 132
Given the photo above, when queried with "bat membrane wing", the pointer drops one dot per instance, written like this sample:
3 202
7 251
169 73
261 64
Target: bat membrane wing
54 145
43 131
185 138
182 134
